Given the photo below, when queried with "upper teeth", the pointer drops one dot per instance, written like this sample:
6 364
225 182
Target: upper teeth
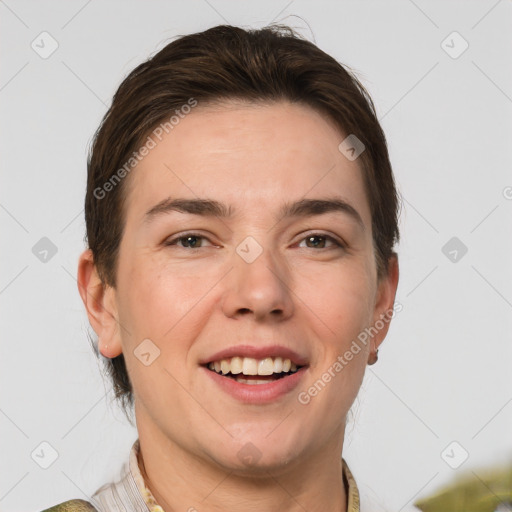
250 366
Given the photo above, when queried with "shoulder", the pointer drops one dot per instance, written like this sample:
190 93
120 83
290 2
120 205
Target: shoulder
72 506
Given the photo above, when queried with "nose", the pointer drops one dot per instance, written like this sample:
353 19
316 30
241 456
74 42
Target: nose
260 288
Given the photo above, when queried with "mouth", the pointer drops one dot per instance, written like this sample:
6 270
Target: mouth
251 371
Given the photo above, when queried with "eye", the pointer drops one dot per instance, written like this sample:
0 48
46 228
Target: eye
188 241
318 241
313 241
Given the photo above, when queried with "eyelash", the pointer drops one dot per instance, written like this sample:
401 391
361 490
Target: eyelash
336 243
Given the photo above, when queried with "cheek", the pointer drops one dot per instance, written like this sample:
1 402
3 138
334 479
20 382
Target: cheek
168 306
155 297
341 306
341 297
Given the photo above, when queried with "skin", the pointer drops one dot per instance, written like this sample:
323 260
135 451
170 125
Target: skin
193 302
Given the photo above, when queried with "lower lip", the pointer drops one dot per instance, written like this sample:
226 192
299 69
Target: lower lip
257 393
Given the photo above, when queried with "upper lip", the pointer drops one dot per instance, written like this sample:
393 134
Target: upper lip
257 352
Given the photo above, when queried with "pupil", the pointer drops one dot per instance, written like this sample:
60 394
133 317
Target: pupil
316 237
187 241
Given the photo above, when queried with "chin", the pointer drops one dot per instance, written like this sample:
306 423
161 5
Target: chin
258 456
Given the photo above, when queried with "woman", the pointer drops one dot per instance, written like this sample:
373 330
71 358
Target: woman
241 216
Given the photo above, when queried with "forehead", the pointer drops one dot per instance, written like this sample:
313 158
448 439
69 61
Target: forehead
251 156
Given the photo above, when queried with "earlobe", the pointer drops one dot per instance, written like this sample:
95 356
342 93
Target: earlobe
99 303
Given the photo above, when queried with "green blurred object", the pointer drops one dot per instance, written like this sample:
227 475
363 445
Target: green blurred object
476 491
72 506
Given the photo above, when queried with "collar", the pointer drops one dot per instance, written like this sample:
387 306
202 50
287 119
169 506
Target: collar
130 494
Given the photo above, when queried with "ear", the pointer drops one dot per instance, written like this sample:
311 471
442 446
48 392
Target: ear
99 302
384 306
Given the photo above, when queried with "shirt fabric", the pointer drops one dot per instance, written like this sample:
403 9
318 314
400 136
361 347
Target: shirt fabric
130 494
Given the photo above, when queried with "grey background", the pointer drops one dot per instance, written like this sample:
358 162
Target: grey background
444 369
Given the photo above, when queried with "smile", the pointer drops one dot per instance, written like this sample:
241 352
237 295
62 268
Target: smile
248 370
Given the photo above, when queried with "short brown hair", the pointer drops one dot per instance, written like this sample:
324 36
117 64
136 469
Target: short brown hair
224 63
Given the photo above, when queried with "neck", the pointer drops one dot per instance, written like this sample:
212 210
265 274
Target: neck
180 480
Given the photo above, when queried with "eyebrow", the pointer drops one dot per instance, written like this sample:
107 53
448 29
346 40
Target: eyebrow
212 208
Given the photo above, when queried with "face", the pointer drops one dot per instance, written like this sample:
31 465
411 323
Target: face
243 282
